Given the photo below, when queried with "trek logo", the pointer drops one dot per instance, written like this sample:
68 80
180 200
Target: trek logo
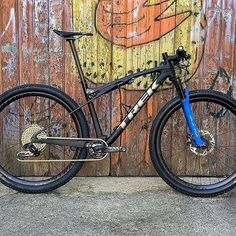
143 100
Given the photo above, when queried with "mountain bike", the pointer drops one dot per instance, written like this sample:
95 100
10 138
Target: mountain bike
45 136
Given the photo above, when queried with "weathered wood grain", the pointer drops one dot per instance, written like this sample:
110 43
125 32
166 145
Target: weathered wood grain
96 59
31 53
10 71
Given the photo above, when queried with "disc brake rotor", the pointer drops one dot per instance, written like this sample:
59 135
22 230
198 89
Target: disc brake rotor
210 140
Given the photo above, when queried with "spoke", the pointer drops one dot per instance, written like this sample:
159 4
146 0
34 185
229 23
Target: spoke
167 149
223 152
7 164
227 147
9 147
12 117
22 108
33 103
225 132
45 118
226 155
14 114
16 130
13 125
219 163
12 145
56 167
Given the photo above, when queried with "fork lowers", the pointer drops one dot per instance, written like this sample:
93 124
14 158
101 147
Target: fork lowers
191 121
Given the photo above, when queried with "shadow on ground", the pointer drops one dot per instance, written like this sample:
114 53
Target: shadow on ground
115 206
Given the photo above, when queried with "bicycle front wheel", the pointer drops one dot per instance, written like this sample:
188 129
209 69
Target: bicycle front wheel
26 110
203 172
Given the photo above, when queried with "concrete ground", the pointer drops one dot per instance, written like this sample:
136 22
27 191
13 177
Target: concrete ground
115 206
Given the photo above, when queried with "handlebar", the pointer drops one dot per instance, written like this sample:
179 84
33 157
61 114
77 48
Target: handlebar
181 55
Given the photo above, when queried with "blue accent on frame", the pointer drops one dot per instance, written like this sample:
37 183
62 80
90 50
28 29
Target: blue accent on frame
190 119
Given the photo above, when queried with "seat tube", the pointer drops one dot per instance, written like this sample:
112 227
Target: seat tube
92 111
78 64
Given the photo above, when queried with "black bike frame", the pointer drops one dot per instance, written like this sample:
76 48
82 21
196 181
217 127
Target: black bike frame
163 72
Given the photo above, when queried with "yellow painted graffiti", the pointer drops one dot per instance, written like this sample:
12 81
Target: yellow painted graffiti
130 36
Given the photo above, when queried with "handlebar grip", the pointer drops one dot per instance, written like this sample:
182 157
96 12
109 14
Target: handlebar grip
88 34
188 57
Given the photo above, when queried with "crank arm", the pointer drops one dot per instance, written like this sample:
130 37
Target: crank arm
114 149
72 142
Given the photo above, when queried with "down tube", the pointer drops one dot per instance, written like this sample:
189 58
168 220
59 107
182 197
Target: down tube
135 110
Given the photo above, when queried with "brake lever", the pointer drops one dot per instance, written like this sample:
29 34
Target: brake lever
188 57
182 54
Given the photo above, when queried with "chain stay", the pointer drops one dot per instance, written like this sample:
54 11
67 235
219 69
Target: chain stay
97 147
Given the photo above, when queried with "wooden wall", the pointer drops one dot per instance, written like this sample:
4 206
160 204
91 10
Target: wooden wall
128 37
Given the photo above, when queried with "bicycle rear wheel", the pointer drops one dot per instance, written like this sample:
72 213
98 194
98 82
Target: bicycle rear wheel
196 171
24 111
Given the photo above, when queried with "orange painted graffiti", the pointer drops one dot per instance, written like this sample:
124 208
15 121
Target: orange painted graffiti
131 23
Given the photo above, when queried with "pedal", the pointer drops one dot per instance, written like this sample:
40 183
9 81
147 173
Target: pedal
115 149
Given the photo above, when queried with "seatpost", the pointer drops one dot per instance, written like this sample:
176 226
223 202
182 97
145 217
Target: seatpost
96 123
78 65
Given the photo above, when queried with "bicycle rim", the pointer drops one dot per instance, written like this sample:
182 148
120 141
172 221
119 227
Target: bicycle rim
20 117
189 167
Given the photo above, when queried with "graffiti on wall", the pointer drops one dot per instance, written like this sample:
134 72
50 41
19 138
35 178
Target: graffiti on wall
122 43
132 35
137 22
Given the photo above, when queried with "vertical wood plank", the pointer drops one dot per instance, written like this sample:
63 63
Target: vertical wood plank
25 12
41 62
26 67
56 76
41 42
9 45
95 56
10 78
31 53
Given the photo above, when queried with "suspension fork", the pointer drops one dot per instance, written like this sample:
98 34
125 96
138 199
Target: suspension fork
188 113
